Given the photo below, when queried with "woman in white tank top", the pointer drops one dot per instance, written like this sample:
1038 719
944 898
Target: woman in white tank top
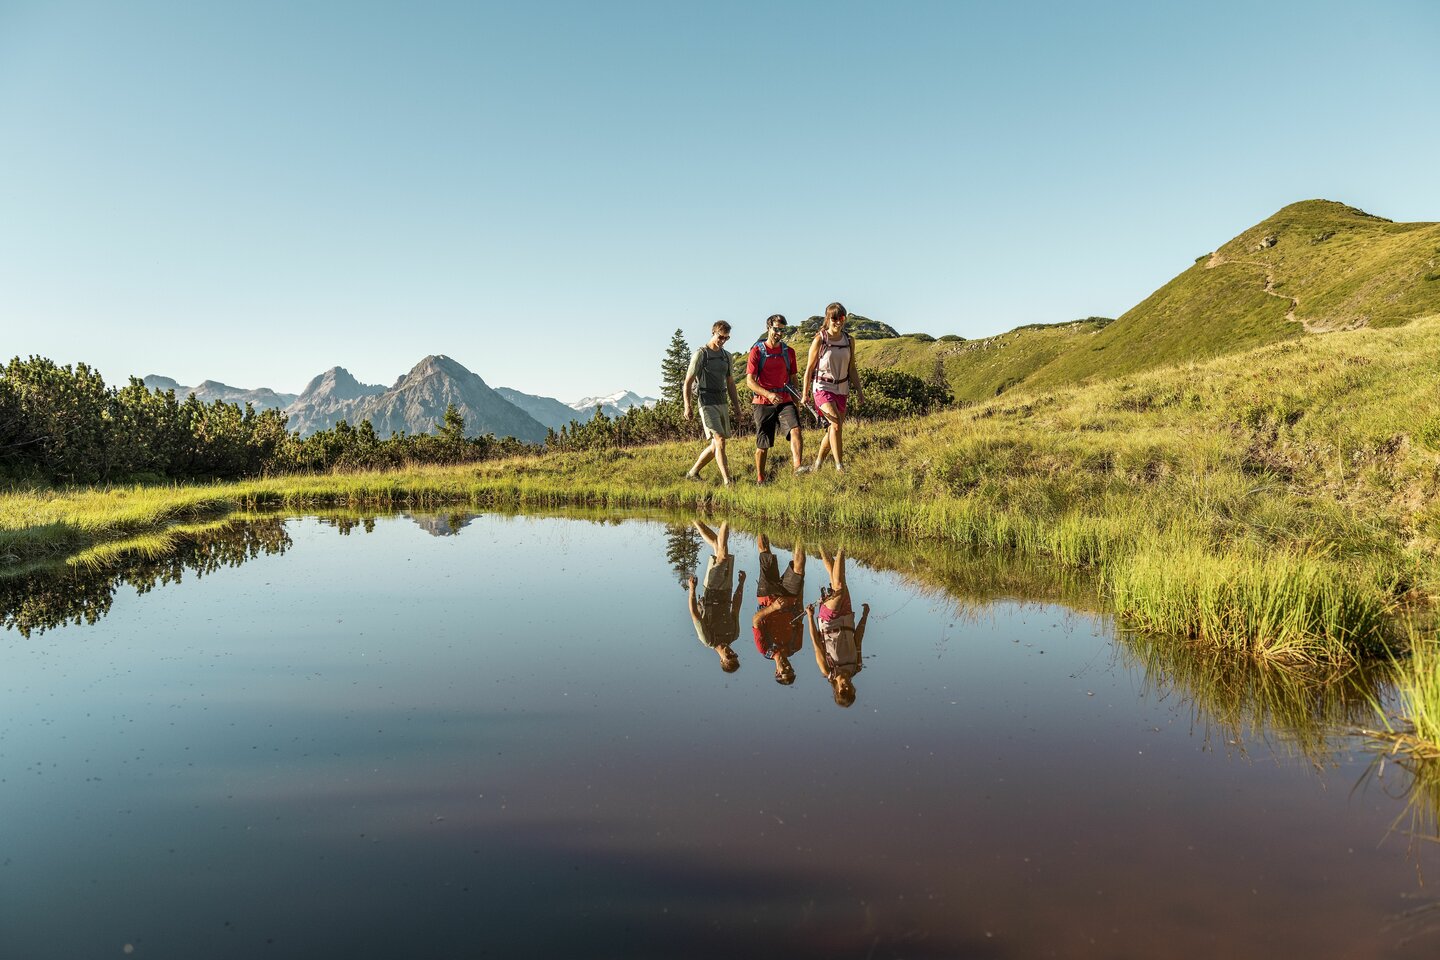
833 376
837 639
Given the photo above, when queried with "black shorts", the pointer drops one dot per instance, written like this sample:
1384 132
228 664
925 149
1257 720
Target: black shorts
768 416
773 583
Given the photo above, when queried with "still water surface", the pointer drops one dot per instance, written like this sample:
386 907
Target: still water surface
492 736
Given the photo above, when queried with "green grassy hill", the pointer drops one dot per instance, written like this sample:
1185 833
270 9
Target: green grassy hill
1313 267
975 369
980 369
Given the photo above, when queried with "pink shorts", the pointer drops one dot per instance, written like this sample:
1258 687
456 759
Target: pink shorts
823 397
841 608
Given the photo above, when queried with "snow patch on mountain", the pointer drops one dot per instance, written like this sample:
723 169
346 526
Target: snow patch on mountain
614 404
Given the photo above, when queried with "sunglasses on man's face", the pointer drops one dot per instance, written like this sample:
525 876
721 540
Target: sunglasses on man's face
723 337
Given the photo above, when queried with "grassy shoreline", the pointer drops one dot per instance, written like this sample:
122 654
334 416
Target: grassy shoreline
1278 504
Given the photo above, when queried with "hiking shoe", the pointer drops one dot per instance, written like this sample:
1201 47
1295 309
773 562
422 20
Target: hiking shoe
691 475
841 468
803 468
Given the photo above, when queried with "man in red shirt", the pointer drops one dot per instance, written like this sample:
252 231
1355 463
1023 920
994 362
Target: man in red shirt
777 621
768 373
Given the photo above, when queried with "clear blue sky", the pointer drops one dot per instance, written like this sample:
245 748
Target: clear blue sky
256 191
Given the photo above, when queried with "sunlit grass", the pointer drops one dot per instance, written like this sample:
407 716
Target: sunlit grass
1279 504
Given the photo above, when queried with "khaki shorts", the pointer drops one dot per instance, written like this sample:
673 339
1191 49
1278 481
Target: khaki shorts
720 577
715 418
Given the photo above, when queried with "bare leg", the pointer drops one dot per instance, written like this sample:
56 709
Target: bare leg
760 463
835 566
836 421
798 560
718 447
797 445
708 535
706 456
824 449
722 542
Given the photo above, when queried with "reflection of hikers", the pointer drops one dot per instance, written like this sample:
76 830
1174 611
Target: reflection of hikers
777 622
836 638
717 614
768 373
832 371
710 367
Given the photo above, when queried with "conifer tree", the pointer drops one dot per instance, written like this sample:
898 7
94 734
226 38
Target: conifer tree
682 551
452 427
673 369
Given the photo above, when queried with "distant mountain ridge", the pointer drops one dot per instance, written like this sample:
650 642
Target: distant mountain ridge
414 404
613 405
547 410
211 390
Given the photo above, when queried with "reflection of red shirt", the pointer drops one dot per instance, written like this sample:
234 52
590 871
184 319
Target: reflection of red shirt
779 368
779 632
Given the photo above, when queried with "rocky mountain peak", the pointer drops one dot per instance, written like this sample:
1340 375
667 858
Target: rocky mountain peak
337 383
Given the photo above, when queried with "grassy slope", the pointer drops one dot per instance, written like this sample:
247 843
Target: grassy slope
978 369
1335 266
1345 268
1281 502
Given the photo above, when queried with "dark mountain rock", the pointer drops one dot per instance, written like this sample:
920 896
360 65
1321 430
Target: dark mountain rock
157 382
861 328
331 396
418 400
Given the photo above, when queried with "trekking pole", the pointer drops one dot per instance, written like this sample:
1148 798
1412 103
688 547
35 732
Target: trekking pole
813 410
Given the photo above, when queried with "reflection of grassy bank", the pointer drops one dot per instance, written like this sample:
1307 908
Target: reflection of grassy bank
1276 504
82 591
1238 700
1417 692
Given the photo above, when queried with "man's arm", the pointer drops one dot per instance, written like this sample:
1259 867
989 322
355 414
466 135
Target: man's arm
739 596
694 604
690 376
755 388
765 613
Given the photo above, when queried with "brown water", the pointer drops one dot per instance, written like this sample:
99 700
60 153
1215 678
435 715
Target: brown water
489 736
